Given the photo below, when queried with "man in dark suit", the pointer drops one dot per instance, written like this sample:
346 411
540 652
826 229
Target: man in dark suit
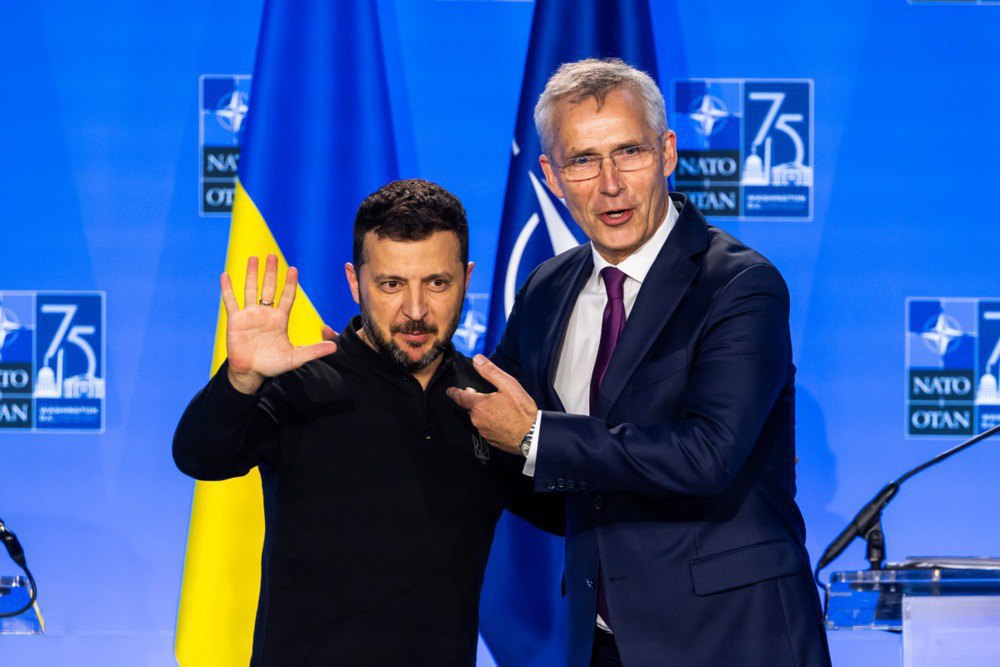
648 376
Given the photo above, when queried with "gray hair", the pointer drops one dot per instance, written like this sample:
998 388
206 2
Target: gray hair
594 78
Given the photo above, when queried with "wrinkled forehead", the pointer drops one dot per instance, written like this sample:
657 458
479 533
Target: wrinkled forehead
590 123
440 252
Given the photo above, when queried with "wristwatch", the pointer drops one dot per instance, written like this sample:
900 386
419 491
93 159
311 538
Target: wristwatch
526 440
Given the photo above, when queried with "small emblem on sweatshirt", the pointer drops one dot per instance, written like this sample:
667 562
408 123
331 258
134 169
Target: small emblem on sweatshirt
481 448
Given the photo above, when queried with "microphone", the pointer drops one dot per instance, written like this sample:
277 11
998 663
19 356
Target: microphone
12 544
862 523
16 552
868 521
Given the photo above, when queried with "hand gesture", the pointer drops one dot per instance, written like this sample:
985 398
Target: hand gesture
257 341
503 417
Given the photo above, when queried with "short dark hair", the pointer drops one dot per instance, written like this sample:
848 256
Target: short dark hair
410 210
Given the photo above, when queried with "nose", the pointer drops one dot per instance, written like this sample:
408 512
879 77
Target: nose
415 302
609 178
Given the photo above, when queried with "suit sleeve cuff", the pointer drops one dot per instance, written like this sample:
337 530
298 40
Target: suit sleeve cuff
529 464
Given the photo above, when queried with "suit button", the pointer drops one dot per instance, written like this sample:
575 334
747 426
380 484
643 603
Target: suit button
590 583
550 485
598 501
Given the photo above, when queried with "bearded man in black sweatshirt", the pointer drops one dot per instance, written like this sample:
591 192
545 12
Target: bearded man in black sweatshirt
380 498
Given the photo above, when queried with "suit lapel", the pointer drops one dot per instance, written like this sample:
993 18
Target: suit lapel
566 290
665 285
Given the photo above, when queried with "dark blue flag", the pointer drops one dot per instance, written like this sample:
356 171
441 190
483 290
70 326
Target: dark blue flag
523 618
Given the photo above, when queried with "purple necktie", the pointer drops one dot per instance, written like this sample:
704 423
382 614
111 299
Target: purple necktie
612 325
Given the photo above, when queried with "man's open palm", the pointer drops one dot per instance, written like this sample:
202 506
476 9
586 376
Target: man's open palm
257 342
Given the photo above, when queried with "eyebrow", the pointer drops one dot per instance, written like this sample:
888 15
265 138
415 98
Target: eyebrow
439 276
593 151
434 276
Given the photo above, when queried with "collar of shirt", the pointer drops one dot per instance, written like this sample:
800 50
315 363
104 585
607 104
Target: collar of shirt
636 265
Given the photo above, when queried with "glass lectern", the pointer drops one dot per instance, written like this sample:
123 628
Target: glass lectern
14 594
948 609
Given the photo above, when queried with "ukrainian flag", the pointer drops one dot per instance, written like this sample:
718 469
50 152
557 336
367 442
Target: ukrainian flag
317 140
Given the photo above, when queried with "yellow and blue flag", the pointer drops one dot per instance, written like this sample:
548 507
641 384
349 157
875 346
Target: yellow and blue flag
317 140
523 619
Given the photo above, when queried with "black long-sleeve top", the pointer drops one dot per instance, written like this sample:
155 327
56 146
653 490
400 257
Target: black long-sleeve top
380 502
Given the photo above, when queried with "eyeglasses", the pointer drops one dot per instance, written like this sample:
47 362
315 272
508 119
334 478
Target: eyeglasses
630 158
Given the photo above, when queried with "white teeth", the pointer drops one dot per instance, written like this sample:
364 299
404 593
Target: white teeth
616 214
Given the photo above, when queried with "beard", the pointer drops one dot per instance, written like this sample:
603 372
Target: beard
391 350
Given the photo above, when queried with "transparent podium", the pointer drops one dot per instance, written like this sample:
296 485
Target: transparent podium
947 609
14 594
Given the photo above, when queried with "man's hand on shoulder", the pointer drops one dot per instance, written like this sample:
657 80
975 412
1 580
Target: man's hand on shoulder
257 343
503 417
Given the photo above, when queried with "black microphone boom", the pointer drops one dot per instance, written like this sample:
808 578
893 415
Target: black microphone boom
867 522
862 522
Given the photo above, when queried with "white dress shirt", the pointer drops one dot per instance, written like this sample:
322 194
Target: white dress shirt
575 364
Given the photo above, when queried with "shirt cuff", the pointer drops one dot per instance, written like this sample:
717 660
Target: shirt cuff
529 464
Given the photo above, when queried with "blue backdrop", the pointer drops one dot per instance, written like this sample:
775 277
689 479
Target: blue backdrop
100 192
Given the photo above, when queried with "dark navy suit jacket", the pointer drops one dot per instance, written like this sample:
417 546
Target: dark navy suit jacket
682 484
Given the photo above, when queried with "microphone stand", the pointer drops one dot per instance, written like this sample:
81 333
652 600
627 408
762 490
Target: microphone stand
867 523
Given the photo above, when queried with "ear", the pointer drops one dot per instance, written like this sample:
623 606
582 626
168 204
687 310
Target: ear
551 178
352 281
669 146
468 273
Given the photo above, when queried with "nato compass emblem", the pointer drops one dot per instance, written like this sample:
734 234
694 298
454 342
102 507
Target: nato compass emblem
468 338
10 325
223 106
231 110
709 113
745 147
952 359
558 232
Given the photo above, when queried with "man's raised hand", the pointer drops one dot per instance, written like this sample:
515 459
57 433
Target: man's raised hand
257 341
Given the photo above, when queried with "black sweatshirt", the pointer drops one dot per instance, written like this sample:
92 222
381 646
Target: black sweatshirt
380 502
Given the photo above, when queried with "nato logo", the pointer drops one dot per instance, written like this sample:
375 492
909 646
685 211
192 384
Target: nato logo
222 101
745 147
469 336
952 357
52 361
